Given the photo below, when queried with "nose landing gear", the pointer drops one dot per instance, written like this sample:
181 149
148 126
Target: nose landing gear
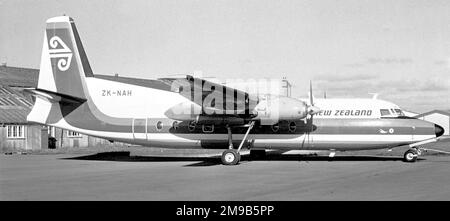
415 150
410 155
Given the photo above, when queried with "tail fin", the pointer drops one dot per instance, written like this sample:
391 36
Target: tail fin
64 67
64 64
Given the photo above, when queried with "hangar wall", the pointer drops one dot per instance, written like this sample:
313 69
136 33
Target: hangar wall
35 137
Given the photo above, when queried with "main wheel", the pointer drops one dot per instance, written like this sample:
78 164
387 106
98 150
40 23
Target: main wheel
410 156
230 157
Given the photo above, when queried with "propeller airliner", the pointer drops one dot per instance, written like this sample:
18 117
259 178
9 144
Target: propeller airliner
191 112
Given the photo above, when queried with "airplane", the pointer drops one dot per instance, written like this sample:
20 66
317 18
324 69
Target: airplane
191 112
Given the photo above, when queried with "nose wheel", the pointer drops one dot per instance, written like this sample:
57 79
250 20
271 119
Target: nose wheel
410 155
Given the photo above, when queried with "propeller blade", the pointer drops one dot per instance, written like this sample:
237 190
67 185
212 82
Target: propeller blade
311 108
311 111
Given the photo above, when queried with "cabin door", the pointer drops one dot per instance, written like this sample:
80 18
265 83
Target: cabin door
139 128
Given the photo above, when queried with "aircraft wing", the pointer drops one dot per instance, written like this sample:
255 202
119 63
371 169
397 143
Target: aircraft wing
213 96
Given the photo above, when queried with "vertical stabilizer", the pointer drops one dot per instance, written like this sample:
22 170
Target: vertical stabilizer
64 64
64 67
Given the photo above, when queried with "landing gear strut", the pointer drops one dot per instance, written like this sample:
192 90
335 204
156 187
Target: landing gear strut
232 156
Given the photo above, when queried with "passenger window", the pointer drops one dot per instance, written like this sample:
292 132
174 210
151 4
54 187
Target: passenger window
292 127
275 127
175 125
159 126
191 126
384 112
208 128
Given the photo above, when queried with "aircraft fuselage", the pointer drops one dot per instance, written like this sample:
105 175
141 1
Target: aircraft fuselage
136 114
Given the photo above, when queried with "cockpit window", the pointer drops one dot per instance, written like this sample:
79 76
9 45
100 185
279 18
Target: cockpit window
385 112
399 112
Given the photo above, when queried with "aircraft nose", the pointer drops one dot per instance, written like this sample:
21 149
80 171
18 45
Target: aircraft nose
438 130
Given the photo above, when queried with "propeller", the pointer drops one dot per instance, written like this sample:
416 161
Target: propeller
311 109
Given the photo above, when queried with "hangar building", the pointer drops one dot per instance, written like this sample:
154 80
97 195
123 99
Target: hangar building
15 132
440 117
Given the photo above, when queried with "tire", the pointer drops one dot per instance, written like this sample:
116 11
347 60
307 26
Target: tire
230 157
410 156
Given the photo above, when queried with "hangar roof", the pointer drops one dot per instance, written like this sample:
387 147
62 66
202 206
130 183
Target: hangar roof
14 106
443 112
13 116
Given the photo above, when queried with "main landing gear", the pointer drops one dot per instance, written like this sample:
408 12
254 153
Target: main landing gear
232 156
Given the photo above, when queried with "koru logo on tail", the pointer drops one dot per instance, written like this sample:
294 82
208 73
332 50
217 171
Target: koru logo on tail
58 49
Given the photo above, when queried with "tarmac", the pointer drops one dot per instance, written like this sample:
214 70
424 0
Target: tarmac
121 176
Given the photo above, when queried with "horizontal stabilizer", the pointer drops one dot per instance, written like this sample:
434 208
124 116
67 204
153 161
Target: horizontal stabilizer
54 97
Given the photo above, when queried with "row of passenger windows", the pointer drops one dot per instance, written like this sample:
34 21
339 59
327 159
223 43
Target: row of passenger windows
210 128
191 126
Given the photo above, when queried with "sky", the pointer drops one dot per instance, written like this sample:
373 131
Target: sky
348 48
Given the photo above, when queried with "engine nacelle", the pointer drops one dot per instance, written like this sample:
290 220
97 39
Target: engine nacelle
272 109
186 111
